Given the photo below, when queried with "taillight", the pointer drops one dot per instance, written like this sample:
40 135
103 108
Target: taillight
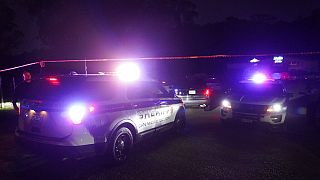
207 92
284 75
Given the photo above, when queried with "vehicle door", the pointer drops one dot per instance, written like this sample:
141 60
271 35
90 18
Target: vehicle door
143 106
164 104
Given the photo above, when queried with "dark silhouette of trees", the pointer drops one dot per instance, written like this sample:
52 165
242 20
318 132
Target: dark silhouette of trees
112 28
10 36
141 28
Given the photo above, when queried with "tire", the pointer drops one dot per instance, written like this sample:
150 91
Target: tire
311 114
120 145
285 127
180 122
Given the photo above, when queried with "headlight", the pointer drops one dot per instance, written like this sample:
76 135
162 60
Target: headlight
226 104
275 108
77 113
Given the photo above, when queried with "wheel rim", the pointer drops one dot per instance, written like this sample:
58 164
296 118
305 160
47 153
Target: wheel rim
121 148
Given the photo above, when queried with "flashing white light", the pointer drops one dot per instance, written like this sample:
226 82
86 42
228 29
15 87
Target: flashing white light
77 113
128 72
275 108
254 60
259 78
278 59
226 104
91 108
176 91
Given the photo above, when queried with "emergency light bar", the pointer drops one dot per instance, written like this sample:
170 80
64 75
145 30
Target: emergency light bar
128 72
259 78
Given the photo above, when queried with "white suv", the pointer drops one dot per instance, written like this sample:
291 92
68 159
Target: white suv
256 102
96 112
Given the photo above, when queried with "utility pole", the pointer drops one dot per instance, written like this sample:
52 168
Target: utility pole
85 66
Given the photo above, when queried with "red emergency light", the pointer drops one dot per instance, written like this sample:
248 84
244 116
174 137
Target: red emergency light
53 80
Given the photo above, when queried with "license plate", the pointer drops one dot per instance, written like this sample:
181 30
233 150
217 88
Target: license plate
36 119
192 91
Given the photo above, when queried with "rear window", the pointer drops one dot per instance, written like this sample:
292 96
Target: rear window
71 89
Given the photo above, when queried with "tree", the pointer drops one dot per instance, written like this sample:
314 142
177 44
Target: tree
10 36
113 28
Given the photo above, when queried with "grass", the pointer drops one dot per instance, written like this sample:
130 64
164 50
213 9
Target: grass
205 151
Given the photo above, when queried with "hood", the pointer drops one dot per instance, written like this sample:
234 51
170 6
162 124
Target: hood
260 100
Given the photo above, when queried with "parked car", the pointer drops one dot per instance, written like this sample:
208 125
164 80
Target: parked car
270 102
252 102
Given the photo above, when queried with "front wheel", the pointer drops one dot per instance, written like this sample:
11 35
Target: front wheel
120 145
180 122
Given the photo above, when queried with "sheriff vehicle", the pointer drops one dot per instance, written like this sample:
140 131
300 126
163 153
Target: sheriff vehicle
100 113
257 100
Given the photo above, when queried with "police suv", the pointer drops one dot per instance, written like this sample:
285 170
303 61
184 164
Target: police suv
96 112
257 100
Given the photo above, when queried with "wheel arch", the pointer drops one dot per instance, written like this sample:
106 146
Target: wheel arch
124 123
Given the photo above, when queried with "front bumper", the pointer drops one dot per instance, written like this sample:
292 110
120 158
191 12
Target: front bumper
268 118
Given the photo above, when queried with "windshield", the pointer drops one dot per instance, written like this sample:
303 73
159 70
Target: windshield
258 89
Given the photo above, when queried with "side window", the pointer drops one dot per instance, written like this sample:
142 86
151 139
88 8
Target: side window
138 91
146 90
158 91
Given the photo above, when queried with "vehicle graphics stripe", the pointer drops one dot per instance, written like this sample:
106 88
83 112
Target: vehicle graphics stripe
138 105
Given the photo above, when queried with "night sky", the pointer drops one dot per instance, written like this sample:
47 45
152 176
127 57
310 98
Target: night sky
286 10
209 11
